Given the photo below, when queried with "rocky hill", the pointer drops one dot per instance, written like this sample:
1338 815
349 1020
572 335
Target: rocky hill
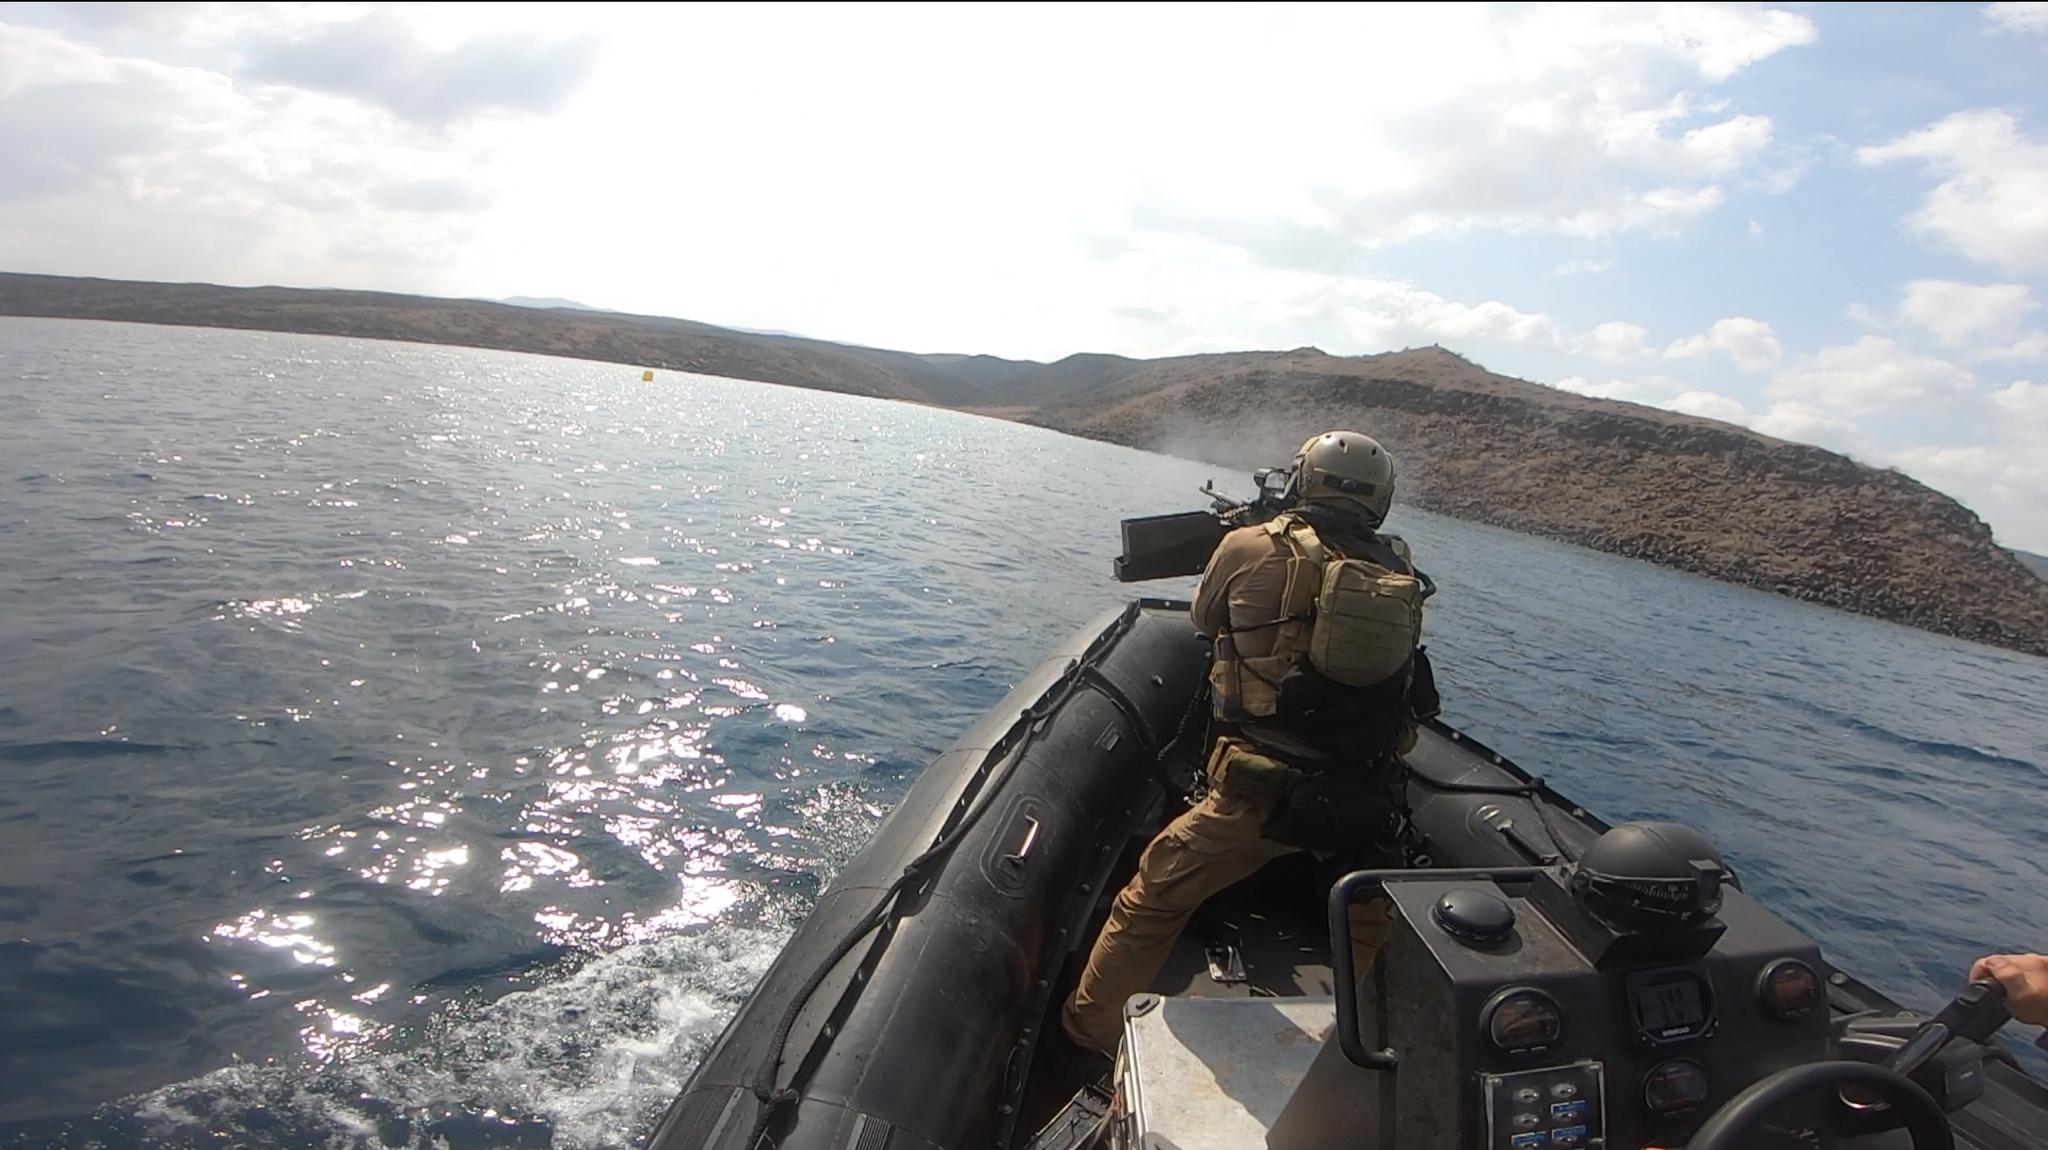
1672 489
1676 490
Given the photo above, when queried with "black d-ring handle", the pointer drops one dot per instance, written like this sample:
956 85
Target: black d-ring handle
1347 891
1015 861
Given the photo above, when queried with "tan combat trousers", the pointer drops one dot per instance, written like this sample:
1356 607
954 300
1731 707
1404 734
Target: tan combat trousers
1198 854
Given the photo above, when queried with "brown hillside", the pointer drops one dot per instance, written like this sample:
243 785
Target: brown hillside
1677 490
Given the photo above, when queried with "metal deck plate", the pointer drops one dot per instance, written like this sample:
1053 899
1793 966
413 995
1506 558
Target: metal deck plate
1213 1073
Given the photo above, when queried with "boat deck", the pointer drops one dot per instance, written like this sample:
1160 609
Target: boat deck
1274 919
1281 940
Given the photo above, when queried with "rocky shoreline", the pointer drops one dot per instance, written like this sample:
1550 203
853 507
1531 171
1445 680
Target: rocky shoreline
1670 489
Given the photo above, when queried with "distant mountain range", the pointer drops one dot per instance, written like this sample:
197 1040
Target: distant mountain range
545 302
2039 563
1673 489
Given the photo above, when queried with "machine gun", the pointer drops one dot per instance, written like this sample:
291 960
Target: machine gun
1179 544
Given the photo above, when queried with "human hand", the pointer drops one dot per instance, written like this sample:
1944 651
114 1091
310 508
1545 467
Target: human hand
2025 979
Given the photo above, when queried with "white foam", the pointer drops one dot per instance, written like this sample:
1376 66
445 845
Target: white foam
597 1054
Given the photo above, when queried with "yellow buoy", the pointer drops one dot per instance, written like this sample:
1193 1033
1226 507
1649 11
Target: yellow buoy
647 377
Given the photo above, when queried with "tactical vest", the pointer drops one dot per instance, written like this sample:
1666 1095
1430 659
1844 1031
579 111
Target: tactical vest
1353 622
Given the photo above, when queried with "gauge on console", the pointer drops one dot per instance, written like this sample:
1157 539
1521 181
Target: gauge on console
1522 1018
1788 989
1674 1087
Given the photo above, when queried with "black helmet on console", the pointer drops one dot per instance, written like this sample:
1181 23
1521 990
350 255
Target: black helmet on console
1650 876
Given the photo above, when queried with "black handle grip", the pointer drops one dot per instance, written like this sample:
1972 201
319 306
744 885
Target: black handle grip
1977 1012
1974 1014
1345 972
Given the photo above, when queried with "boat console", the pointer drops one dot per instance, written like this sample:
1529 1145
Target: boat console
1614 1004
1636 999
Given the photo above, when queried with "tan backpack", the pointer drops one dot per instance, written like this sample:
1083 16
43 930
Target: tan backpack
1368 618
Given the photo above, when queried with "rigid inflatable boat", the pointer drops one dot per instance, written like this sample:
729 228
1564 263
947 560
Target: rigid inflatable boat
911 1010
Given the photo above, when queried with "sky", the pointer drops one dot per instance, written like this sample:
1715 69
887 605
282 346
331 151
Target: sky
1828 223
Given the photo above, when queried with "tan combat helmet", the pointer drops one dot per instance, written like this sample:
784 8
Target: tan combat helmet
1347 472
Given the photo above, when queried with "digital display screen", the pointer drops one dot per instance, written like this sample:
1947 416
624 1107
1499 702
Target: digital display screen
1673 1004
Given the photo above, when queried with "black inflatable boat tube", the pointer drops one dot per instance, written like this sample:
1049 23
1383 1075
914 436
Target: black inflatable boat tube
921 1036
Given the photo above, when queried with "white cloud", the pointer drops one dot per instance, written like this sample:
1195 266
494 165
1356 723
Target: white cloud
379 58
1662 209
1776 181
1992 202
2024 400
460 150
1204 295
1988 321
1750 343
1728 41
1612 389
2025 350
1651 389
1871 375
1958 314
1802 422
1587 97
1616 342
1708 405
1582 267
1717 41
1380 311
118 165
2019 17
1729 145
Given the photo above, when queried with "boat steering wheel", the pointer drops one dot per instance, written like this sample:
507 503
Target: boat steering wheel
1971 1016
1733 1126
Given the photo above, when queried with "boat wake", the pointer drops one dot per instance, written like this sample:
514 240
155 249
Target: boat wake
585 1060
